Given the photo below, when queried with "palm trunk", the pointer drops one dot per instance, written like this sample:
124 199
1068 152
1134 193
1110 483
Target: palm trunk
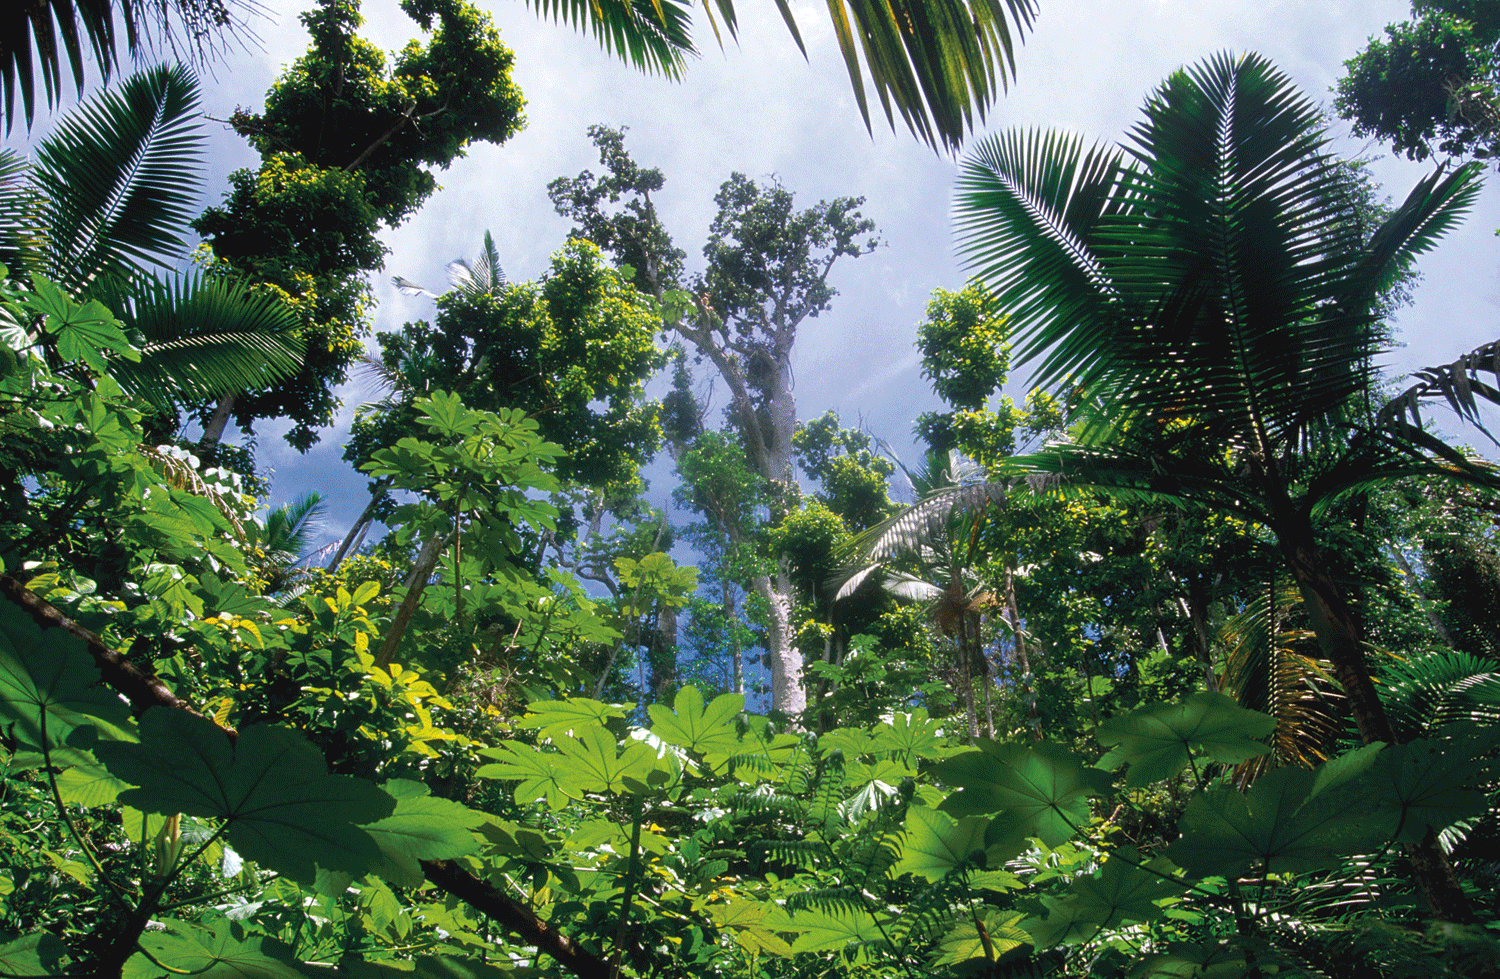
1338 632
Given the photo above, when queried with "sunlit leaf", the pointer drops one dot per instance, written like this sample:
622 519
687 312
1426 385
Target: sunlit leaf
964 942
40 953
821 932
211 953
422 828
935 843
698 728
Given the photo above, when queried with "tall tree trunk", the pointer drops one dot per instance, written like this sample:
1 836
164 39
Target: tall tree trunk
787 693
1338 632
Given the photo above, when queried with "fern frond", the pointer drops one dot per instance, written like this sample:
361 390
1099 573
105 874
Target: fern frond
829 900
808 854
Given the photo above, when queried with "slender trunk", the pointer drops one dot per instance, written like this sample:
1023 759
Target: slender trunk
356 533
1028 681
736 655
1338 633
416 583
214 430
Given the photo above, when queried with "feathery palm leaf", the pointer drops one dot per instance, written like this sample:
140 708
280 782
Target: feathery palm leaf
1441 686
202 337
938 64
1216 277
1460 384
115 185
1268 669
59 31
483 276
651 35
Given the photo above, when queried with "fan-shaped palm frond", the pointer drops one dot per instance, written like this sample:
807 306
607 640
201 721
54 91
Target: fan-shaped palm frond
1217 277
204 337
283 538
938 64
115 185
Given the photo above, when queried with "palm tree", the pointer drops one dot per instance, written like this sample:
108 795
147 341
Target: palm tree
1211 292
103 205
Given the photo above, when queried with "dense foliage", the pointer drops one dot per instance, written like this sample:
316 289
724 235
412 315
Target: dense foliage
1206 685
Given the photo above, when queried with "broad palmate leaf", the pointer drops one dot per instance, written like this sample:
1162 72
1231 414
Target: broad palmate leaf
49 681
209 953
1158 740
423 827
271 785
1279 826
1046 786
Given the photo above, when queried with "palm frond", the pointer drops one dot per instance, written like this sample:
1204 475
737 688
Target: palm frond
1460 384
204 337
938 64
58 32
1267 669
288 529
1217 278
482 277
1426 690
180 469
1028 214
651 35
118 180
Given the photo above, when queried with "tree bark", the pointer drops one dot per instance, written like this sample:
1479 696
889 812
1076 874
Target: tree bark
1339 636
213 432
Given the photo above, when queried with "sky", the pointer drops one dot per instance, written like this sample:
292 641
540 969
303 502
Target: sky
760 108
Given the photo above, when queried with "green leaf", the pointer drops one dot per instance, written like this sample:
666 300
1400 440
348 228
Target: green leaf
48 678
425 967
821 932
753 924
39 954
1156 741
211 953
690 725
550 717
1277 826
1123 891
964 943
541 774
283 808
421 828
1427 781
915 735
935 843
1046 786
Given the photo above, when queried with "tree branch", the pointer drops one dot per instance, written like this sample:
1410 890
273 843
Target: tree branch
145 691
